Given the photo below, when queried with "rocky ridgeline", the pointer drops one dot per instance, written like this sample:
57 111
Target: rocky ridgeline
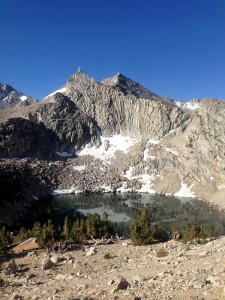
122 271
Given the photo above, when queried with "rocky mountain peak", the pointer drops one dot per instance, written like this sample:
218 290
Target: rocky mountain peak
130 87
81 78
11 98
5 88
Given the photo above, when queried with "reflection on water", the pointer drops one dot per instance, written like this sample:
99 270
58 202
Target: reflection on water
121 209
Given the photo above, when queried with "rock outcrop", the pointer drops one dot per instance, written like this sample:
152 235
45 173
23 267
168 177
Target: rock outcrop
57 126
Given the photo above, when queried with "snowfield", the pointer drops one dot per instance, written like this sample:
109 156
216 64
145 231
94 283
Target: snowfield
115 143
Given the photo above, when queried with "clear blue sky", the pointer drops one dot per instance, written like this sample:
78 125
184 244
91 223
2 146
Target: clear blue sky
176 48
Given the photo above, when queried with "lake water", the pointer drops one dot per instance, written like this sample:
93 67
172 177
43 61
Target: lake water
122 208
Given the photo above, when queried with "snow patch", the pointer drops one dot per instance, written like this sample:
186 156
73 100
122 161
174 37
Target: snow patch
123 189
23 98
171 151
64 154
72 190
154 142
62 90
79 168
147 183
116 143
185 191
146 154
188 105
152 157
149 142
106 189
128 173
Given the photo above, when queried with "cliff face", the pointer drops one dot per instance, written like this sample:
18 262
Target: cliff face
121 137
134 111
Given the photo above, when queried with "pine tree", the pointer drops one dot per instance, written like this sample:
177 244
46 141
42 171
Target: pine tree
141 231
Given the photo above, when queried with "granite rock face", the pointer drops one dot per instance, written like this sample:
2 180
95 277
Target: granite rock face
125 108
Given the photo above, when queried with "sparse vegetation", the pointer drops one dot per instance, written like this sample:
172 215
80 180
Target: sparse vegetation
161 252
196 233
78 230
142 231
107 256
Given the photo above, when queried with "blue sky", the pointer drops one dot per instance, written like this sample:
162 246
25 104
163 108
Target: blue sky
176 48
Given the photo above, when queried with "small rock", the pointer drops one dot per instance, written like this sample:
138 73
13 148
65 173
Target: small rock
110 282
17 297
60 277
81 286
137 279
91 251
122 284
55 258
47 264
77 264
11 268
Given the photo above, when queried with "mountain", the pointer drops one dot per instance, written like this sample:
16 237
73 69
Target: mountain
125 111
11 98
129 87
116 136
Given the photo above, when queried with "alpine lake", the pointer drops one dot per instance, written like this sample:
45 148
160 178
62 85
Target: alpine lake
122 208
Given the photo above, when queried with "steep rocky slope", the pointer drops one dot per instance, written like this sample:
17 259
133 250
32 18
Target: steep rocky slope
121 137
46 130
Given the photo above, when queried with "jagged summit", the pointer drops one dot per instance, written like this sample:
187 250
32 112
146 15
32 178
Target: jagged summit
12 98
130 87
